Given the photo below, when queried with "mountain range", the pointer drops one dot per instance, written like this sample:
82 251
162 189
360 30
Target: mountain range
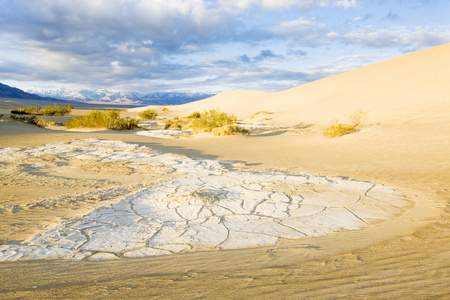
101 96
119 98
11 92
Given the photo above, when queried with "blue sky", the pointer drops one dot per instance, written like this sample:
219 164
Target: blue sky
204 45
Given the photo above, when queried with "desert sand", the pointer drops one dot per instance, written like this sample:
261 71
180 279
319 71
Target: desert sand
397 247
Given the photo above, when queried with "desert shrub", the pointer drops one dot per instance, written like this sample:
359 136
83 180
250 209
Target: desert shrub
109 119
194 115
165 109
55 110
229 130
358 117
32 120
176 123
209 120
44 123
26 110
338 129
149 114
1 116
259 113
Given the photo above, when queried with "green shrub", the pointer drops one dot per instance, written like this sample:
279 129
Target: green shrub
109 119
229 130
26 110
337 130
176 123
32 120
149 114
165 109
194 115
209 120
55 110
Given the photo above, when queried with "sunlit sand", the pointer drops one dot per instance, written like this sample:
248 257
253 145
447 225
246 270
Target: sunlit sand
281 211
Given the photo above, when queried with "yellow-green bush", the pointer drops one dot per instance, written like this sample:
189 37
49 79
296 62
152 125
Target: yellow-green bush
109 119
209 120
149 114
176 123
229 130
338 129
32 120
165 109
194 115
55 110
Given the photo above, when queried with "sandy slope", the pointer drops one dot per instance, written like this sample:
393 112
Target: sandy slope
406 257
409 88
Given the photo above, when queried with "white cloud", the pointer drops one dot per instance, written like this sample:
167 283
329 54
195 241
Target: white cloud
238 6
396 37
308 32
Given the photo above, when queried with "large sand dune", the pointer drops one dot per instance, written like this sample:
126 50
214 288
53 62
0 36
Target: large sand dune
407 88
404 256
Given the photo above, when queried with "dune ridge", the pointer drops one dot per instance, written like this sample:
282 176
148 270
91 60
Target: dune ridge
393 91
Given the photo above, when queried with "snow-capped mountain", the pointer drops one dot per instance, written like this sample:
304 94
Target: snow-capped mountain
119 98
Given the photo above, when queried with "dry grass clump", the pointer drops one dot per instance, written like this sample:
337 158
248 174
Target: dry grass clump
109 119
41 122
176 123
229 130
208 120
262 112
149 114
55 110
338 129
194 115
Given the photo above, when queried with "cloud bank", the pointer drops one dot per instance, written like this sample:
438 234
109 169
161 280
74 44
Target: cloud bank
202 45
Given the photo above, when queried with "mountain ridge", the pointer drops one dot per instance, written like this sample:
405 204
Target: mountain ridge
121 98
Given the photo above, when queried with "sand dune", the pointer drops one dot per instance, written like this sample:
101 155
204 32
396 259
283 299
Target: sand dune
407 88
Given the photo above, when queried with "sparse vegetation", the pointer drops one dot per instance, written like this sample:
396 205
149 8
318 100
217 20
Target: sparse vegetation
338 129
109 119
259 113
149 114
1 116
219 123
165 109
55 110
41 122
194 115
358 117
229 130
209 120
176 123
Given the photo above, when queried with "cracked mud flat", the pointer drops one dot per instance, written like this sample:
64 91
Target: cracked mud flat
198 204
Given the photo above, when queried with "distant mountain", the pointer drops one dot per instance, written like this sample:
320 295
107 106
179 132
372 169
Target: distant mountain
120 98
12 92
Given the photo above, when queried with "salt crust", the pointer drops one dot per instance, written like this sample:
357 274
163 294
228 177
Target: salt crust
210 207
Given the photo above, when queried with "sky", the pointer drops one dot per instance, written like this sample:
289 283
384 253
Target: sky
206 46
